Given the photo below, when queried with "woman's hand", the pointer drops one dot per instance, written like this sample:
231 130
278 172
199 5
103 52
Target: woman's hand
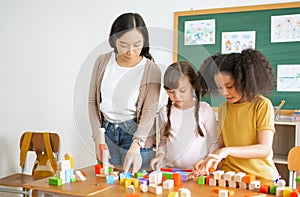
133 157
156 162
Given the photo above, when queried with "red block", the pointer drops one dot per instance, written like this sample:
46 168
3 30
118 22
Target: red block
164 179
264 189
294 193
83 173
97 168
166 169
207 180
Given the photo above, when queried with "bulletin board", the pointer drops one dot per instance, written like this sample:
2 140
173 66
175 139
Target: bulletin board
246 18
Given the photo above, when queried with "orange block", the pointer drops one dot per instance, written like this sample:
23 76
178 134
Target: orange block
217 189
230 192
177 179
132 195
249 178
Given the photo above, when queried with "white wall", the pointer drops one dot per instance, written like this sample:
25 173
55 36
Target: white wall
47 49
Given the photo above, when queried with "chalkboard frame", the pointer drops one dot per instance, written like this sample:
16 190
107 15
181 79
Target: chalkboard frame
292 103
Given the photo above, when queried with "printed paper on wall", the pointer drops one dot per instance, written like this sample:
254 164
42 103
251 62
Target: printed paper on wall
235 42
199 32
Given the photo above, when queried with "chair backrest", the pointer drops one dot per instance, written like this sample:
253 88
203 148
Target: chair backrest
40 142
294 159
37 142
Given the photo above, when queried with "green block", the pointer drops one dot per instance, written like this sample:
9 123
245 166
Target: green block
168 175
73 179
201 180
55 181
110 169
273 189
139 175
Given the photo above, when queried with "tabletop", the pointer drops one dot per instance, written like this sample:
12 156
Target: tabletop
96 186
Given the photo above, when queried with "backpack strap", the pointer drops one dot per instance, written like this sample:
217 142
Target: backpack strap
25 147
49 151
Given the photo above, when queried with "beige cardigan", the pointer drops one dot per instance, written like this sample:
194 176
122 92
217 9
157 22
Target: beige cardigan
147 102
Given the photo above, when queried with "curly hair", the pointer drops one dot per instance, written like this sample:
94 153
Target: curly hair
172 76
251 70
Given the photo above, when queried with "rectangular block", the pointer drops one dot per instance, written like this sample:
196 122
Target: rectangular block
168 184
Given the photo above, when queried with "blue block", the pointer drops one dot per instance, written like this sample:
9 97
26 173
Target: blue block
177 170
68 174
184 176
127 175
143 181
144 172
110 179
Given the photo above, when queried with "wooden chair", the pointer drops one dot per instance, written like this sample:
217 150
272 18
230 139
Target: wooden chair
294 163
13 183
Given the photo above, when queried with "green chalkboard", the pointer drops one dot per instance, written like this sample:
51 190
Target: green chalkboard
248 18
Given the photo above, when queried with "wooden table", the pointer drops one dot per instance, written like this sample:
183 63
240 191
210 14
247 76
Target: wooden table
97 186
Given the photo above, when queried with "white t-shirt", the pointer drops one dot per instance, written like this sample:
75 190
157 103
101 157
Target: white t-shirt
120 89
184 146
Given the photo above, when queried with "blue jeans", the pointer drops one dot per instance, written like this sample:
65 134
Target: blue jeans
118 137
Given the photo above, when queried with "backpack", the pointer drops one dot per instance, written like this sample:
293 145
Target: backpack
45 164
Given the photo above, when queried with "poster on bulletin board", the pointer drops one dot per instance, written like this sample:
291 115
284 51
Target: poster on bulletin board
288 78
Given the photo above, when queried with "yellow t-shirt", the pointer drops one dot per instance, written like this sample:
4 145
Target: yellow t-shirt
239 125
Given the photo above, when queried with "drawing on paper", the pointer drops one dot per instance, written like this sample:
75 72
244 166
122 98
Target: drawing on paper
288 78
235 42
199 32
285 28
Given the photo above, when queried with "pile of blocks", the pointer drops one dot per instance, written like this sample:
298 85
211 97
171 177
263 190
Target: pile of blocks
244 181
108 172
65 172
156 182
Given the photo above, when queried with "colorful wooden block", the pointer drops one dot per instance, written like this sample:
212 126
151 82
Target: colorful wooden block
184 192
132 195
222 182
173 194
55 181
264 189
273 189
110 179
238 177
130 189
249 178
223 193
254 185
177 179
228 176
168 175
201 180
155 189
144 188
168 184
